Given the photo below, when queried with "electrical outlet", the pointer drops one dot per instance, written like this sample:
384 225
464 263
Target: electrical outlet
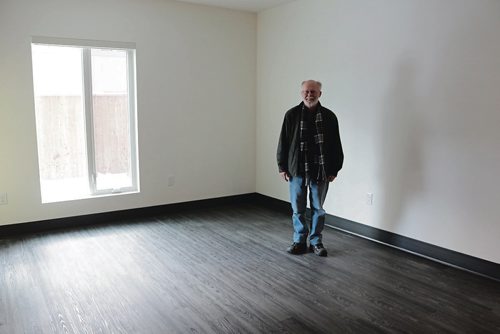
171 181
3 199
369 198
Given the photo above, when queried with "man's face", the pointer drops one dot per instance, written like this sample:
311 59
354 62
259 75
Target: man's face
311 93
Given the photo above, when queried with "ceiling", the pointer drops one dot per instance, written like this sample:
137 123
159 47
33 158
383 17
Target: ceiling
247 5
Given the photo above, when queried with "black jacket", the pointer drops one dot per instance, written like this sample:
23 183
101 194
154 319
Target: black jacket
288 154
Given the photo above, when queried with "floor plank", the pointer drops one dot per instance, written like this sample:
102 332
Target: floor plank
225 270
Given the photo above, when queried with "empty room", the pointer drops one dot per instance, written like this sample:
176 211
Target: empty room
249 166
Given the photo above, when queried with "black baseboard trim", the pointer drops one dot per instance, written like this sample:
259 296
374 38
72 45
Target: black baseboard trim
7 231
449 257
420 248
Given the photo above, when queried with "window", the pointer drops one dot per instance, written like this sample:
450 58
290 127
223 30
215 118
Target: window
85 118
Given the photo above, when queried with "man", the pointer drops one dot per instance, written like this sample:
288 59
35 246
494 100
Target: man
309 157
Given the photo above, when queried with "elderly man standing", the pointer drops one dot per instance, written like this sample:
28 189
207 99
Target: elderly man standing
309 157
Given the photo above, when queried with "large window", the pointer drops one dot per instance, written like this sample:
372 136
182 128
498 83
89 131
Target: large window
85 118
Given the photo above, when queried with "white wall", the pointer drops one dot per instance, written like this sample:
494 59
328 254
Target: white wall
196 72
416 87
415 84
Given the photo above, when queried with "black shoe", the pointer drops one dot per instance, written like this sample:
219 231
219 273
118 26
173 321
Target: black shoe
318 249
297 248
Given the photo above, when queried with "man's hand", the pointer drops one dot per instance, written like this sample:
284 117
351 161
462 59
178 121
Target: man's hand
285 176
331 178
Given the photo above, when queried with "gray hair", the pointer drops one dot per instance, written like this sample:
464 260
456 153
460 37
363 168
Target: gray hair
314 81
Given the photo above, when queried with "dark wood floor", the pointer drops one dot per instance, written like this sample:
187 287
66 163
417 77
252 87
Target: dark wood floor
225 270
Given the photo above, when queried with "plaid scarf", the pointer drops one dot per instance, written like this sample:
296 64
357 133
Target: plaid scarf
310 159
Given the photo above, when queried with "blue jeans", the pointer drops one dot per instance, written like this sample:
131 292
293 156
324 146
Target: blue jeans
298 199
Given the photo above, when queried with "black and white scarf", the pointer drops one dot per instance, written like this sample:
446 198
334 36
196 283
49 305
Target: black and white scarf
318 135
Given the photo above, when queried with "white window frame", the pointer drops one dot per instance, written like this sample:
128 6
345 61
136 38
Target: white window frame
130 49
